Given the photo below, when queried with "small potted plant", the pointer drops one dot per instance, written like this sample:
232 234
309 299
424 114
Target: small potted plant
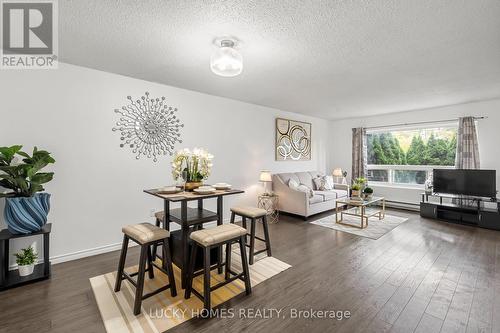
26 208
368 193
356 190
357 186
26 261
361 181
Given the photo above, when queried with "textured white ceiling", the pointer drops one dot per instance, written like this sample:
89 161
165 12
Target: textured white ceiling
332 59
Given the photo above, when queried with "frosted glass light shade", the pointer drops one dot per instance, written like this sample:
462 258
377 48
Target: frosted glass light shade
226 61
265 176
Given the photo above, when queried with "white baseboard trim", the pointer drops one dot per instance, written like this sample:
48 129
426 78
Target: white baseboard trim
87 253
81 254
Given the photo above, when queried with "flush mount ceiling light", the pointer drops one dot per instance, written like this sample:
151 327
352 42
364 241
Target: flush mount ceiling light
226 60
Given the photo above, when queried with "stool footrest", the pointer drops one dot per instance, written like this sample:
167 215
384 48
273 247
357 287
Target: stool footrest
154 292
260 251
261 239
256 237
212 267
223 283
240 275
220 284
257 252
161 269
197 294
129 278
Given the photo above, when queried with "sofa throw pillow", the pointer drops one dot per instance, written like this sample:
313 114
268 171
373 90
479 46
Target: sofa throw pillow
319 183
323 183
329 183
293 184
305 189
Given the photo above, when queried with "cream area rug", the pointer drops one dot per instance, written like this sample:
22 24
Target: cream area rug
162 312
376 228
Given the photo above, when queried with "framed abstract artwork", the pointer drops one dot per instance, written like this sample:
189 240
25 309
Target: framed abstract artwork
293 140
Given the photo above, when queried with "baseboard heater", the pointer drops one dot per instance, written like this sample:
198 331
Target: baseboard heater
402 205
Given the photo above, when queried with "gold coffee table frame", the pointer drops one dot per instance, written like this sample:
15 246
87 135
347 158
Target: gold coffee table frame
359 208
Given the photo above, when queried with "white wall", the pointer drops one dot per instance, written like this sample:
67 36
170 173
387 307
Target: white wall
98 186
488 136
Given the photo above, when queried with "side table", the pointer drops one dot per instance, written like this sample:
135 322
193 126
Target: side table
269 202
10 279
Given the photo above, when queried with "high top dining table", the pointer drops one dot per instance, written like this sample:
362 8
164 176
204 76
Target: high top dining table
189 218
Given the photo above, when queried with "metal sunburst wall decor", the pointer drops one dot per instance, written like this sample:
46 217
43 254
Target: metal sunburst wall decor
148 126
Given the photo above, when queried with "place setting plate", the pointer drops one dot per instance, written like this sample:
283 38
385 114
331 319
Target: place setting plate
222 186
169 190
204 190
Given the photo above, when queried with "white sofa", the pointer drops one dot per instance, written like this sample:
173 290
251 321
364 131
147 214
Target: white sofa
300 203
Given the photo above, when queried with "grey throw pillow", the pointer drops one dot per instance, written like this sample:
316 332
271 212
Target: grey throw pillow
319 183
323 183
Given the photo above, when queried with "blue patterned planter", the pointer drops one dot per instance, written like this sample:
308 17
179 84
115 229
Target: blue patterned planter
25 215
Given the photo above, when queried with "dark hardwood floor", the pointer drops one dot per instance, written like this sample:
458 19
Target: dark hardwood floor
424 276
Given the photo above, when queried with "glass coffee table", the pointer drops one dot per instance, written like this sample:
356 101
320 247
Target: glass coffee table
360 208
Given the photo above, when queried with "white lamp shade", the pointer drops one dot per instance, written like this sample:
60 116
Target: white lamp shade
337 172
226 61
265 176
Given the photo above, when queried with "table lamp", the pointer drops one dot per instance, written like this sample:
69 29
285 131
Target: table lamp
337 173
265 177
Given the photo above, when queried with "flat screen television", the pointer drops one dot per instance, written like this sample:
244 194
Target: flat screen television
479 183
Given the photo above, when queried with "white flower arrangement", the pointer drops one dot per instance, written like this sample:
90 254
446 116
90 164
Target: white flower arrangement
196 164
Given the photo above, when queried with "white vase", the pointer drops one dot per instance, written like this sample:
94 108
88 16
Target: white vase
25 270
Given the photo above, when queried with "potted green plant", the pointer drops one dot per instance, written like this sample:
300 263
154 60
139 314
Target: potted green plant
26 208
361 181
26 261
356 190
368 193
357 186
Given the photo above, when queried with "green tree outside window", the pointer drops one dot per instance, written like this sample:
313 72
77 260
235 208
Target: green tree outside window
386 149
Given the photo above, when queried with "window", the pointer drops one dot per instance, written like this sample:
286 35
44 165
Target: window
407 156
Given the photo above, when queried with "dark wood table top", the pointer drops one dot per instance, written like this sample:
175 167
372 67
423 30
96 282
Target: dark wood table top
189 196
6 234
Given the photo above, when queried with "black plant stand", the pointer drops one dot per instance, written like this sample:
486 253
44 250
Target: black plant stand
11 279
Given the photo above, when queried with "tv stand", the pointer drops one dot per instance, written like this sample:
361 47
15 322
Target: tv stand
462 210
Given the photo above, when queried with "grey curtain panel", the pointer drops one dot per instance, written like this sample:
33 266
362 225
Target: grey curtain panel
359 153
467 156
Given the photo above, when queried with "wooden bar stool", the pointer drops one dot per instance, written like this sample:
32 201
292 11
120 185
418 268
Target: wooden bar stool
253 213
225 234
146 235
159 218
